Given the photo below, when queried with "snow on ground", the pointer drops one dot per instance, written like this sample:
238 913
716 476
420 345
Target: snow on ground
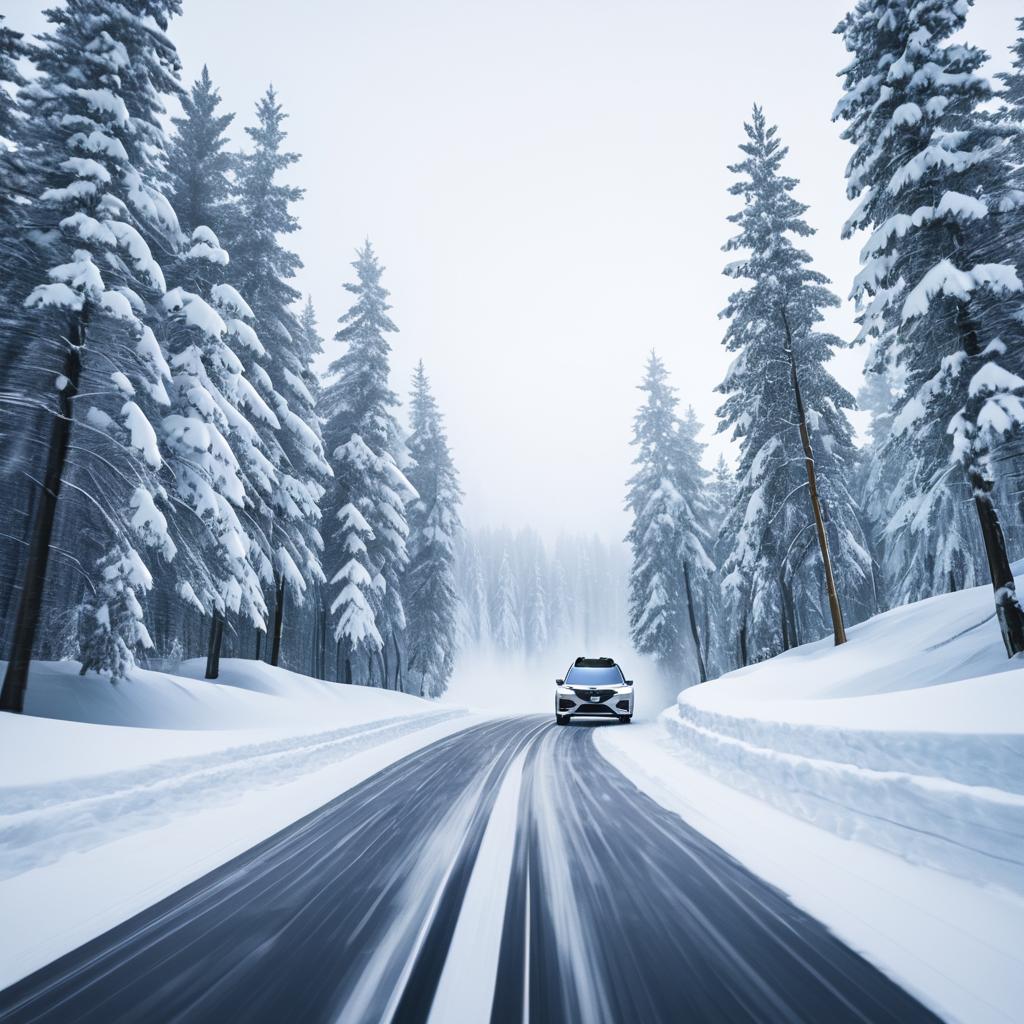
144 787
880 784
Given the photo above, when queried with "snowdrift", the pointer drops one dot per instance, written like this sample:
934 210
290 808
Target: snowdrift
144 786
910 737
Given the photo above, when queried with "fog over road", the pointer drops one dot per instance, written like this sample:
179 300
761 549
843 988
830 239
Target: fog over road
504 873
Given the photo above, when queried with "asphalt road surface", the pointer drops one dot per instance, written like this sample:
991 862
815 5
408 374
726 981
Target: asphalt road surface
506 873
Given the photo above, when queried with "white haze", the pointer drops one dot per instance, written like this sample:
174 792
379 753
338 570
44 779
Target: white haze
546 184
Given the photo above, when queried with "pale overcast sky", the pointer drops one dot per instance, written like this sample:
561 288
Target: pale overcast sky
545 181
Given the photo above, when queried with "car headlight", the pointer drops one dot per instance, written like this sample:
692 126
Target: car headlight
564 691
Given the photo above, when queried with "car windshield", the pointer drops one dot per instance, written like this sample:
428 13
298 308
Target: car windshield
594 676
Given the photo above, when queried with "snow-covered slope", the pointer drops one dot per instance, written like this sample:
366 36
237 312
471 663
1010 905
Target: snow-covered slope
905 749
909 737
145 786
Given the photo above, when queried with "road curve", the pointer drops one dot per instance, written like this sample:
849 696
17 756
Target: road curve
612 909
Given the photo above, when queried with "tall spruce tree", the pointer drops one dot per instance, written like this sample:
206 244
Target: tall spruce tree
220 464
364 439
508 630
537 633
198 162
657 596
794 523
695 535
428 585
91 288
939 284
12 49
263 271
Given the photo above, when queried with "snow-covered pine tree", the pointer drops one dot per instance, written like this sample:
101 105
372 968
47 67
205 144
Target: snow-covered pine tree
479 604
12 49
721 495
794 514
263 269
222 471
198 162
718 626
363 437
91 287
939 283
1012 98
312 345
560 612
536 637
694 534
657 596
508 632
428 585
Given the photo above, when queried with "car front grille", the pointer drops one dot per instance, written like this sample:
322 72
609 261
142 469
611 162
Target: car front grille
584 695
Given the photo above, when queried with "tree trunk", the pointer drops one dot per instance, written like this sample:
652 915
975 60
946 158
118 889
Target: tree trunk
743 642
398 662
323 642
12 697
783 624
259 642
693 625
838 629
790 632
275 650
348 671
213 652
1008 609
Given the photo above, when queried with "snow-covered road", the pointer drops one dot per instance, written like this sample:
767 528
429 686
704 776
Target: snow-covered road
505 872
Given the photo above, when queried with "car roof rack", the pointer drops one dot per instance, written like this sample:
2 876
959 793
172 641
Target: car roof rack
583 662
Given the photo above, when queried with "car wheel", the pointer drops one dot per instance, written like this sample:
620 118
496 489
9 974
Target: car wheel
626 719
562 719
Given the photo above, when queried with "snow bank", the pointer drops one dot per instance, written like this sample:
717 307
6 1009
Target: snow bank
952 943
909 737
145 786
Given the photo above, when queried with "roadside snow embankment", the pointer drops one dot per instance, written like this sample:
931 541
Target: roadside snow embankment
879 784
909 737
146 786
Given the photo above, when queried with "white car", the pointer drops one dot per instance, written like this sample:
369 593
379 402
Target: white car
594 687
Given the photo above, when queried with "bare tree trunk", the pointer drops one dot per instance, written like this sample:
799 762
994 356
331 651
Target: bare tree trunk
213 652
702 671
259 642
12 697
275 651
1008 609
744 660
838 629
398 662
323 642
783 624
